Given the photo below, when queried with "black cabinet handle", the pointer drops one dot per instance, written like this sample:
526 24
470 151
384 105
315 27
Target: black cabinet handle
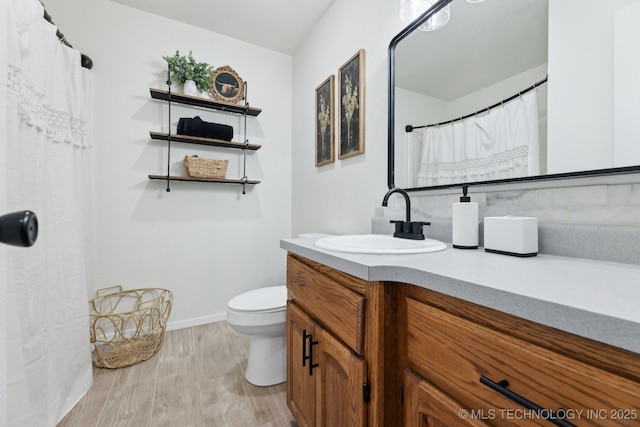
305 357
311 364
501 387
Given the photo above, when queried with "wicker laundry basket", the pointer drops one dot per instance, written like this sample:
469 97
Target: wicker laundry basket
127 326
205 168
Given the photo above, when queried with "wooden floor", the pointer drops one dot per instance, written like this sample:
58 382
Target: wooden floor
195 380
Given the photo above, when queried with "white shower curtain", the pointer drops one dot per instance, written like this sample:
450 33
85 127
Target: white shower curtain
408 154
503 143
45 162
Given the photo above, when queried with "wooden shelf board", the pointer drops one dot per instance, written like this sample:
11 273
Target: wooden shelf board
204 141
189 178
197 101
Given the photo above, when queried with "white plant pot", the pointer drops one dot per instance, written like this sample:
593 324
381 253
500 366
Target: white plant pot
190 88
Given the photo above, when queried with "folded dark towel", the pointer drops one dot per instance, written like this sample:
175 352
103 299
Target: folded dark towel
198 127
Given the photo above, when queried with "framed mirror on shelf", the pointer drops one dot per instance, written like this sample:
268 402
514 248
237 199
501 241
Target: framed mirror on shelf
226 85
510 91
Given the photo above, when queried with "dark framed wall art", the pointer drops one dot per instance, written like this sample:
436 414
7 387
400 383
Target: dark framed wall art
351 81
325 114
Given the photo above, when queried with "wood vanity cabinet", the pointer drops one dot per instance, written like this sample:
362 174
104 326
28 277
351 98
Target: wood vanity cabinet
430 360
335 374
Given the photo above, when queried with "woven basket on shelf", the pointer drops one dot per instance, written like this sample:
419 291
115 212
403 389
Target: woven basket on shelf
127 327
205 168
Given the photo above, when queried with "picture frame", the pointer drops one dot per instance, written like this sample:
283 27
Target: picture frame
324 118
351 82
226 85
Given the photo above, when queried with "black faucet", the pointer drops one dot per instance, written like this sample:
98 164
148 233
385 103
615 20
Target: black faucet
406 229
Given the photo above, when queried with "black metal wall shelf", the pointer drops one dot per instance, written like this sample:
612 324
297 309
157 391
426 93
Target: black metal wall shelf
242 109
204 141
196 101
188 178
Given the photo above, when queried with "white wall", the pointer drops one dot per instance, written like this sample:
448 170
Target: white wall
205 242
626 86
504 89
341 197
580 128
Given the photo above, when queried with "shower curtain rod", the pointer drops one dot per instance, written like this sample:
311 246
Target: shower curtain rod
410 128
85 61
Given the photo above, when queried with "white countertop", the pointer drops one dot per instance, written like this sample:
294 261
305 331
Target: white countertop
594 299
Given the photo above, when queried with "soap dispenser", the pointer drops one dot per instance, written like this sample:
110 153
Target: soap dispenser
465 222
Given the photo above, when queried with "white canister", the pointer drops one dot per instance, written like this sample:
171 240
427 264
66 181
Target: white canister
464 219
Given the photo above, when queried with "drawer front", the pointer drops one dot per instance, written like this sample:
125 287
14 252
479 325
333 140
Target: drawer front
453 353
337 308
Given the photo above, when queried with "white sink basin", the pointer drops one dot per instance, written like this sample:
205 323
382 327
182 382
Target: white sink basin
378 244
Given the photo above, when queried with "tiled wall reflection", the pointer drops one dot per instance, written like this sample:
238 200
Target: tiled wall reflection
617 204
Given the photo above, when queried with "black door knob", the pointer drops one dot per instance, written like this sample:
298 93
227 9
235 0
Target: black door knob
19 228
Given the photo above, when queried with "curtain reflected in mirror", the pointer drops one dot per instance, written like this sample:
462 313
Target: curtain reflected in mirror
499 144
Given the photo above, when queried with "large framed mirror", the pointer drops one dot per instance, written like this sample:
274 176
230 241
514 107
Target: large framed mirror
515 90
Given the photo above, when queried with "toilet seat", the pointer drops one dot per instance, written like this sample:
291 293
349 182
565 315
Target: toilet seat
260 307
273 298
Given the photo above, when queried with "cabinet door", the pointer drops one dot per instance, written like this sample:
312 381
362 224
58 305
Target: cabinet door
426 406
339 388
300 383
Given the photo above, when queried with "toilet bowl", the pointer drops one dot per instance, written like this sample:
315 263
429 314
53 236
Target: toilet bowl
262 314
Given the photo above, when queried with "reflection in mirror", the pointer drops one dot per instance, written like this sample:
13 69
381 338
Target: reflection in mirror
488 55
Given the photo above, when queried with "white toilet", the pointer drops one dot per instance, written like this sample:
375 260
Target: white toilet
262 314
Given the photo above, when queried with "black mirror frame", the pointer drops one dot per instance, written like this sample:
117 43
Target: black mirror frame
391 129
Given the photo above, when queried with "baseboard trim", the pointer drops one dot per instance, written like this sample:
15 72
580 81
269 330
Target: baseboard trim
181 324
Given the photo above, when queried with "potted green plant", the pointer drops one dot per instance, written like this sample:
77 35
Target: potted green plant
185 69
